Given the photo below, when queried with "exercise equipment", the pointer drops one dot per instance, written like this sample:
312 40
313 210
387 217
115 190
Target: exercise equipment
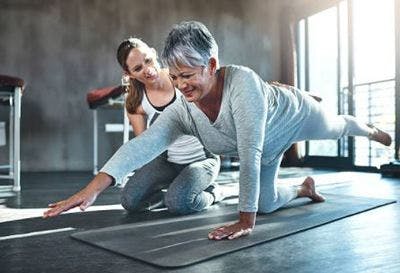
183 240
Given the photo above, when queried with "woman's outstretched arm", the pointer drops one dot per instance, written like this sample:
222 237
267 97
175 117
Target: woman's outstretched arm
129 157
82 199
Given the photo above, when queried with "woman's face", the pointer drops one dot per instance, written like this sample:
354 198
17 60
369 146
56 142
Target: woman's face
193 82
142 65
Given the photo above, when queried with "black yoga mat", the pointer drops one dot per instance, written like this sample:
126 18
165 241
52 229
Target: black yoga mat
183 241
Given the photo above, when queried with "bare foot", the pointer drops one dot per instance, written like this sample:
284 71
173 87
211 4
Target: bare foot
380 136
307 189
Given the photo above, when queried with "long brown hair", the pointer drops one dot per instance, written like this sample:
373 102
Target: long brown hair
135 89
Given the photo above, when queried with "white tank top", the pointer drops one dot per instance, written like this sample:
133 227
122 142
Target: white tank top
185 149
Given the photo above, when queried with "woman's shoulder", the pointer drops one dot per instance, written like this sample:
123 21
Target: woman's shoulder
238 72
234 68
238 75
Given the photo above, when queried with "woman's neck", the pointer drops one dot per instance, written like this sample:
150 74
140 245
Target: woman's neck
161 92
215 94
210 105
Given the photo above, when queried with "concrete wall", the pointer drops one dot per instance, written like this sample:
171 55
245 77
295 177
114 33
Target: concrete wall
62 49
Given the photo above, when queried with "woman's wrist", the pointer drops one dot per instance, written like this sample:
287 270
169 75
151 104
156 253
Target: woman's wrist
248 218
100 182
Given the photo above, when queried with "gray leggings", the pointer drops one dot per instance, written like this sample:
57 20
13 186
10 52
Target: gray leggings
185 184
319 125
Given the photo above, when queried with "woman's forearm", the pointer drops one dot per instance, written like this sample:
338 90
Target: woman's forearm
99 183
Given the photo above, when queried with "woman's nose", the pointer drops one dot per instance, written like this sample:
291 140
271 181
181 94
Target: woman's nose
181 84
147 69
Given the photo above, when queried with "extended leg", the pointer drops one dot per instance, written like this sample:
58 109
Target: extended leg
323 125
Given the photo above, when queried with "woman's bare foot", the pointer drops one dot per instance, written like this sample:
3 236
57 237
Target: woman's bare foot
379 136
307 189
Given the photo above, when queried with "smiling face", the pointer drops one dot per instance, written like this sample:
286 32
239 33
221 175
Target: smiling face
194 82
141 64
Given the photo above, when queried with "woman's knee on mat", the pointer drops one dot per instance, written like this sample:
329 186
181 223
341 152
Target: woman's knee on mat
268 206
129 203
132 198
176 200
183 201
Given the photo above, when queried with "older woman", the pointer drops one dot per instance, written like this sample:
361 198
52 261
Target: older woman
234 112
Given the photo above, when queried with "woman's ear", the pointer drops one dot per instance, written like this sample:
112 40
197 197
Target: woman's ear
125 79
212 64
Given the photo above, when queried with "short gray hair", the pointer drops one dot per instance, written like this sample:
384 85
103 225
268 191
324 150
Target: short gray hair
190 44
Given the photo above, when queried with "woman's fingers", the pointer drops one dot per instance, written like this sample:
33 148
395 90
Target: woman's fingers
52 212
53 205
240 233
221 228
235 235
59 207
220 233
230 232
85 204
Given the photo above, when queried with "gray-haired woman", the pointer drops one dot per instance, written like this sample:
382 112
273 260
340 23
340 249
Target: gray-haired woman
233 112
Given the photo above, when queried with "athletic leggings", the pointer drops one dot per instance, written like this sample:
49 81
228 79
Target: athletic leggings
319 125
185 184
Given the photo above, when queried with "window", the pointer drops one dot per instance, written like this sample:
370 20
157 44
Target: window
346 54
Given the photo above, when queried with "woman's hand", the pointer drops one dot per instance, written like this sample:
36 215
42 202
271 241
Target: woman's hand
82 199
241 228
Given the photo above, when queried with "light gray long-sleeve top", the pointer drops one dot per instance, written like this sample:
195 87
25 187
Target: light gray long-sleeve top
256 122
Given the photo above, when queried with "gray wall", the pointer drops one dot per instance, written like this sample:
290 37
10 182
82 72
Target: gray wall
63 49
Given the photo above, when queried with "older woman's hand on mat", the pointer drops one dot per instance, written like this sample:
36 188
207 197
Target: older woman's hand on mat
244 227
82 199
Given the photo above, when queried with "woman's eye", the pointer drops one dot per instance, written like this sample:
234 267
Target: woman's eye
187 76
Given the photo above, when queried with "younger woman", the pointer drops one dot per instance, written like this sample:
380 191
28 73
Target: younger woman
186 168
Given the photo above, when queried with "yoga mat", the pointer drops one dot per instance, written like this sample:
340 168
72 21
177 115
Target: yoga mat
183 241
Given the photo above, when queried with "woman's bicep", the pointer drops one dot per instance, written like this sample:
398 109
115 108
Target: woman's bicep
138 121
249 110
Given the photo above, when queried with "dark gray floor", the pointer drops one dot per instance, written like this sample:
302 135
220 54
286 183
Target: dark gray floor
367 242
